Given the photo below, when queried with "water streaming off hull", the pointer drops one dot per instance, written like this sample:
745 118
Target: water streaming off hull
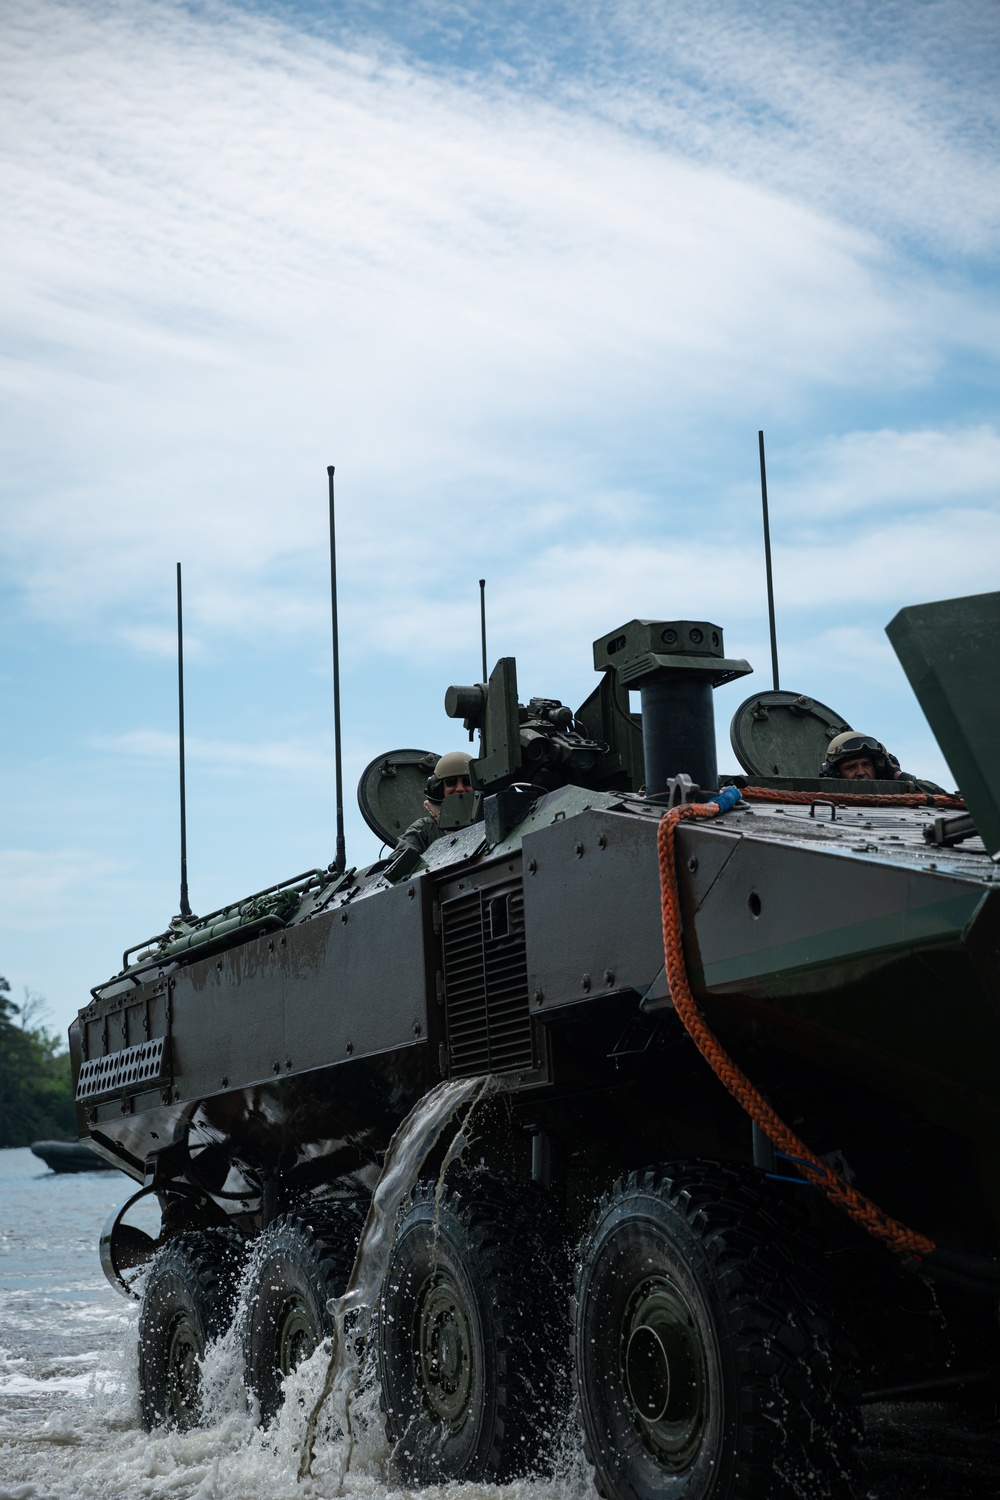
409 1148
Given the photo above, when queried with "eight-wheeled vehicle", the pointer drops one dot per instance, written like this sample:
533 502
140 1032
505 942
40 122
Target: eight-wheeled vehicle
737 1169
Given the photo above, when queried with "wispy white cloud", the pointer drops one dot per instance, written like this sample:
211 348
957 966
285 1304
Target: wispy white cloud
873 571
532 278
267 244
35 884
290 757
885 115
880 473
859 651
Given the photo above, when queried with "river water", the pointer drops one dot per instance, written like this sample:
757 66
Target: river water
69 1426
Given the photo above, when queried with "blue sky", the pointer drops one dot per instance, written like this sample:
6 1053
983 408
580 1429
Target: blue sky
532 278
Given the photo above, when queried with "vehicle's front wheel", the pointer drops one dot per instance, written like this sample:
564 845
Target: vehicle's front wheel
301 1261
707 1362
472 1333
188 1302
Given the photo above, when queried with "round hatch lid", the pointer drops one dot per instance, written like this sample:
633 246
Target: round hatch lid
783 734
392 789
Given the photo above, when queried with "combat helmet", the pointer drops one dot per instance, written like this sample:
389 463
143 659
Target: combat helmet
455 763
848 744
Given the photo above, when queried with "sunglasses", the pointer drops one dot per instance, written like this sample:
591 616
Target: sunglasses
458 781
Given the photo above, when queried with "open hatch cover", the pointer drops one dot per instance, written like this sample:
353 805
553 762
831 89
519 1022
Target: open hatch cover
392 789
783 734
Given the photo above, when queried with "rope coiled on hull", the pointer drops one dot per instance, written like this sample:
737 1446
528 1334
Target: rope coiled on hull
881 1225
854 799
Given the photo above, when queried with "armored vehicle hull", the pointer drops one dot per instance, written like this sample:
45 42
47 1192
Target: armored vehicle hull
843 955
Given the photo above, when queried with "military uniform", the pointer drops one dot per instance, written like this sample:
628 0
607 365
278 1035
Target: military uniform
419 836
451 770
847 745
920 784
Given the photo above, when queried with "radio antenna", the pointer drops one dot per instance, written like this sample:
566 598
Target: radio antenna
767 565
340 862
482 624
185 903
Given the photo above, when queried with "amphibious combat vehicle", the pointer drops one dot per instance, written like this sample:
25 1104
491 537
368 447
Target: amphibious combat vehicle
733 1186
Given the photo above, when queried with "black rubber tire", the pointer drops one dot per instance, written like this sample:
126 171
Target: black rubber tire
707 1359
472 1333
188 1303
300 1262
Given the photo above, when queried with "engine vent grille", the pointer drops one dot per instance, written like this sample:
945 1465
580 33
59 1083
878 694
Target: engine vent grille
141 1064
486 982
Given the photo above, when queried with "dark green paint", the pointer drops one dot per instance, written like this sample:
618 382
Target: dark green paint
874 941
949 652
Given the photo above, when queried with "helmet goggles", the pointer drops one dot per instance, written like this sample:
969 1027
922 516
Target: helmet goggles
855 744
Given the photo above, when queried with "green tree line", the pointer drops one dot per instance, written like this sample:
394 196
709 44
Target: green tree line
36 1091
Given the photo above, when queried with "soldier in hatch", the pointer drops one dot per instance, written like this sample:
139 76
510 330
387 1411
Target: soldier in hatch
861 757
451 775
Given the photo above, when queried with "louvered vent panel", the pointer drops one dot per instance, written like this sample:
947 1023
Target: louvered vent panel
486 982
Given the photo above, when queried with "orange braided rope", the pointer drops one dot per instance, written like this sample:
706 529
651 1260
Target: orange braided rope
855 799
897 1236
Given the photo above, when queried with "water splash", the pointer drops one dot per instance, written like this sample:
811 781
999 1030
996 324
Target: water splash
56 1308
409 1148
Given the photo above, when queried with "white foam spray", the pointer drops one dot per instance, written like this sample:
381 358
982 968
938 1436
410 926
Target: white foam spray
409 1148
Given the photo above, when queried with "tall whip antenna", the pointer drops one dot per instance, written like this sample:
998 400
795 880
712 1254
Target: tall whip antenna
340 862
185 903
767 565
486 670
482 622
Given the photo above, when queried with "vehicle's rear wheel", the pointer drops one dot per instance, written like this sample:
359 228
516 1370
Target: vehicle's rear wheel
302 1260
188 1302
472 1333
707 1360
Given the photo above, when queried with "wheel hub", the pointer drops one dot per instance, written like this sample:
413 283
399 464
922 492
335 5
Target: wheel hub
183 1374
663 1372
444 1352
296 1335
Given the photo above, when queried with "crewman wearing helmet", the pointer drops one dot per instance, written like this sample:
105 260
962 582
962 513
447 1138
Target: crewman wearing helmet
861 757
451 775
